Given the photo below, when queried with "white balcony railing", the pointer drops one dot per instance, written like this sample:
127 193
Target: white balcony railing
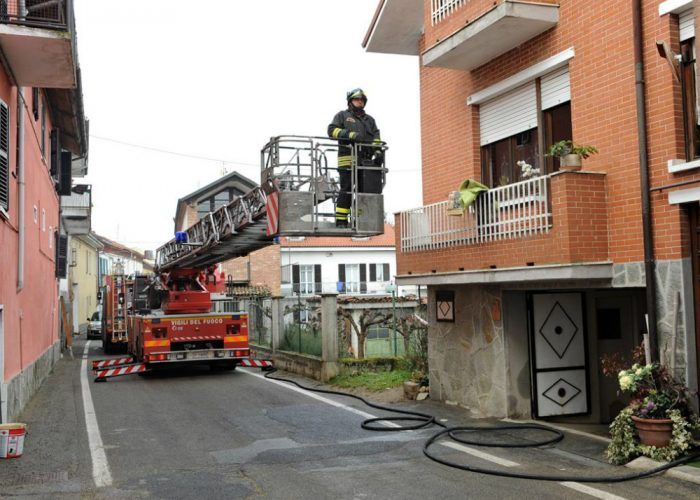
440 9
513 211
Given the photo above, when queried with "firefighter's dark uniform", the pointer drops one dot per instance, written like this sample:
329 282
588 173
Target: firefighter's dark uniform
348 126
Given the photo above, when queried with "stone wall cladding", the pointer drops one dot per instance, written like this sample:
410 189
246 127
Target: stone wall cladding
466 357
22 387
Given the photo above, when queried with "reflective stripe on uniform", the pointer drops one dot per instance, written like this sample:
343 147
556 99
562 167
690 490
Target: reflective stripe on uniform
345 161
336 132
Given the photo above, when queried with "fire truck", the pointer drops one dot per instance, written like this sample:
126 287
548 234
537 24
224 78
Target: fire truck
114 312
297 197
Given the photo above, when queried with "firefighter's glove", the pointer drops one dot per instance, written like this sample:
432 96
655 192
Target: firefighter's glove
352 136
378 158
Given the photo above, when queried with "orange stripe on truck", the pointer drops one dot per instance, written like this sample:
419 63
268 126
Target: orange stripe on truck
156 343
236 338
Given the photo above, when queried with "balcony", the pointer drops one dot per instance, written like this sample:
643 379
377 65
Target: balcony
396 27
547 228
38 40
76 210
492 34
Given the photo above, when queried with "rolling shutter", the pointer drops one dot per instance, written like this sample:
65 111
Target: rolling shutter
4 156
686 22
555 88
508 114
373 272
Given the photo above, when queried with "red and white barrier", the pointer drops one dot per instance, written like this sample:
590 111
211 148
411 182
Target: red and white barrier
256 363
117 372
104 363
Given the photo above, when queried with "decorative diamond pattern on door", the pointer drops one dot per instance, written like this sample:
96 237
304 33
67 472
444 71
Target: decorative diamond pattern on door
561 392
558 330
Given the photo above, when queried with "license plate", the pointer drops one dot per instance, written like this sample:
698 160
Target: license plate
198 354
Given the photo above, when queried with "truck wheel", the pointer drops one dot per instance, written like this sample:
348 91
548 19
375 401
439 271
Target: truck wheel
107 347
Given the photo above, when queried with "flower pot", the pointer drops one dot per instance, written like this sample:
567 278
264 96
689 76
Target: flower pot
410 389
570 162
654 431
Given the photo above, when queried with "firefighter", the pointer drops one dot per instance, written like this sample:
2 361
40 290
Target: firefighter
348 126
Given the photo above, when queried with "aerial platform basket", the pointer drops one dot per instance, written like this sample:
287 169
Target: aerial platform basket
301 179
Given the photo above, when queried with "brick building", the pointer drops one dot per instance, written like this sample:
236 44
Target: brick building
543 275
43 144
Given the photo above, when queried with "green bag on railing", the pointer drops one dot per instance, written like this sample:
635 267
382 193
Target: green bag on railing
469 190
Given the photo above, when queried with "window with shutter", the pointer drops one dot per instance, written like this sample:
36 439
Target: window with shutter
61 255
386 273
4 156
65 174
363 278
509 127
373 272
35 103
341 277
295 278
55 145
306 279
318 281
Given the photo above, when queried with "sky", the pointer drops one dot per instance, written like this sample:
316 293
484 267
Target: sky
178 91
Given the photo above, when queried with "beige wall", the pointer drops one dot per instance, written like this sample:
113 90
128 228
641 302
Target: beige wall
82 260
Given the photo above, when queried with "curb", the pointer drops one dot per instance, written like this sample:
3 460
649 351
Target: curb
683 472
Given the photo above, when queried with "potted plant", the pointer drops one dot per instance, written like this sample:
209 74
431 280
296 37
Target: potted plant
571 154
659 421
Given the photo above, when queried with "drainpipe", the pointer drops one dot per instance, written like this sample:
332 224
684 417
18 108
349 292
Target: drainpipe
649 260
20 187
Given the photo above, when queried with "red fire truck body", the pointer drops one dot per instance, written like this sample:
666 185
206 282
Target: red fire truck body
219 339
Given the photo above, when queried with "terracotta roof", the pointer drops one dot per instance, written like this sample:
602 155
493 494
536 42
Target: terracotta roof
382 240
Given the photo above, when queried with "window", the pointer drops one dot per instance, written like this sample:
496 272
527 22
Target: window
36 214
379 272
4 157
688 88
213 203
377 332
43 219
352 278
512 127
35 103
306 280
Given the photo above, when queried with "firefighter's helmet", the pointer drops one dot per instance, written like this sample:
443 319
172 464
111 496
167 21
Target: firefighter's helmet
357 94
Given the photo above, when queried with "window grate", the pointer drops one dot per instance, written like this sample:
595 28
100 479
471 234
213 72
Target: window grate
440 9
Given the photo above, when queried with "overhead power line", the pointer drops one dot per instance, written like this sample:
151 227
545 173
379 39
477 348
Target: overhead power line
174 153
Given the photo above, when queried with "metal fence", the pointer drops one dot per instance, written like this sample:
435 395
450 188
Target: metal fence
259 310
404 337
514 211
42 13
301 326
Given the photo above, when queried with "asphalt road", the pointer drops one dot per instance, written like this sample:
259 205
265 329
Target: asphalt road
194 433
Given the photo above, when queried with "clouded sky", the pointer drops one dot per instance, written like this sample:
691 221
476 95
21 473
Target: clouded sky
216 79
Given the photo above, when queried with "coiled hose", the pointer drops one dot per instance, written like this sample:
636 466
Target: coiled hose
421 420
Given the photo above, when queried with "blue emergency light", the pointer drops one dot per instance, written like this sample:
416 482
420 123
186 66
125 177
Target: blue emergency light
180 237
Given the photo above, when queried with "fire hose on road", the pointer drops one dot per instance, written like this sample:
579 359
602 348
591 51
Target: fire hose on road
422 420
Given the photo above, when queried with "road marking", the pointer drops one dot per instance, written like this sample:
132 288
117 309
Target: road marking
479 454
319 398
100 467
604 495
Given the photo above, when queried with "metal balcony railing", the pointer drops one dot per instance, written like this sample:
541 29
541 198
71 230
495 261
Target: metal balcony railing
513 211
54 14
440 9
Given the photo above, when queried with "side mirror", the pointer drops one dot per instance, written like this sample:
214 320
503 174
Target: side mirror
99 295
